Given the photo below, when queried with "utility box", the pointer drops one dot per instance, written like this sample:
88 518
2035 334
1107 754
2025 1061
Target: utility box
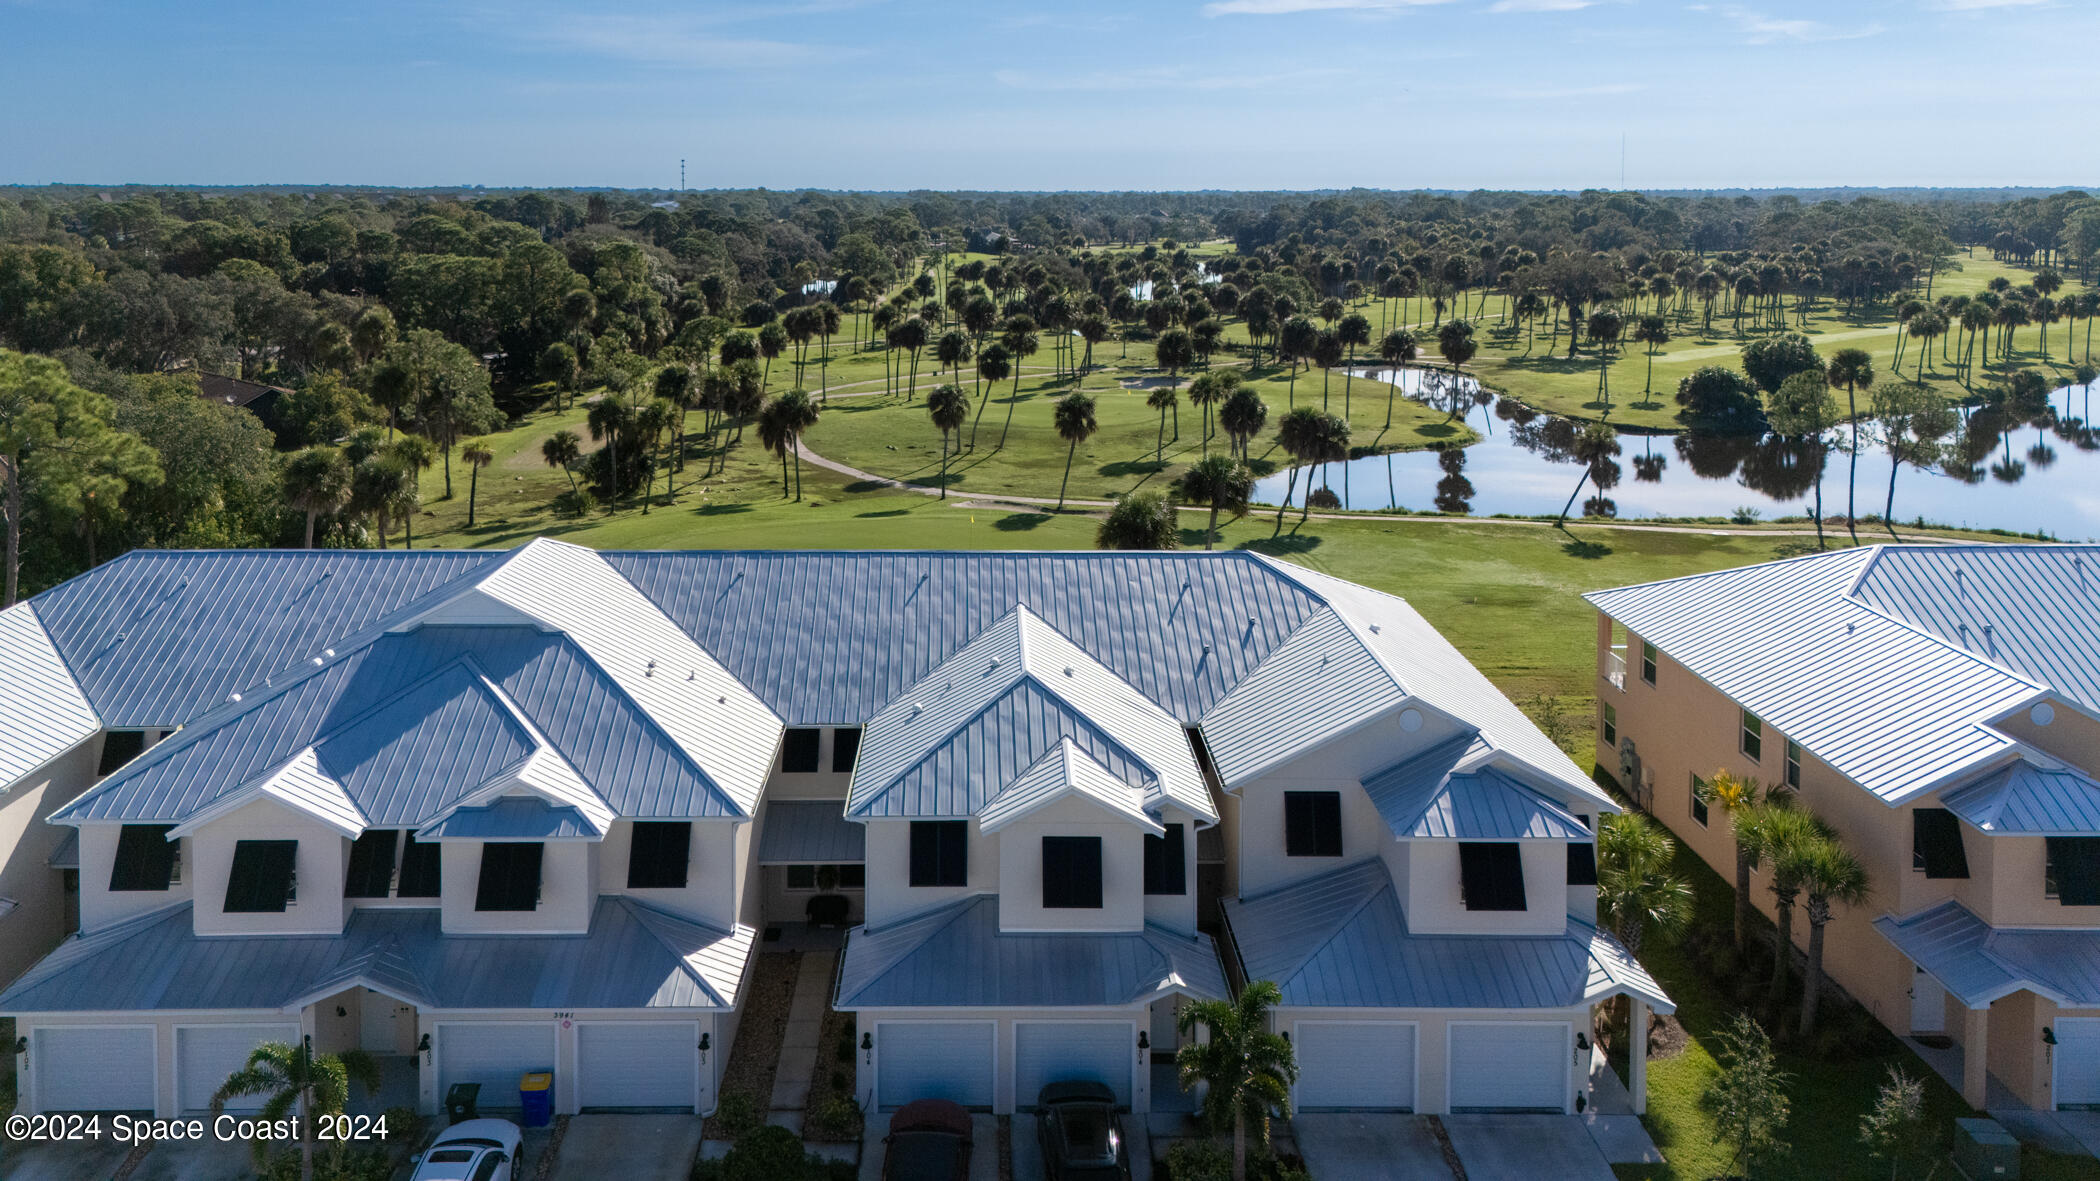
1984 1149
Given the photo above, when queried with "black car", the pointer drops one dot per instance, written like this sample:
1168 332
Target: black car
929 1140
1081 1134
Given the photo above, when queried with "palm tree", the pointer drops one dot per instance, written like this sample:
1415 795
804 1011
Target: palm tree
910 335
1637 895
1830 873
1207 392
1249 1071
1075 424
1785 835
1327 352
301 1085
1354 331
1737 797
1175 351
1300 435
952 349
1455 342
948 407
1242 417
477 456
562 449
1653 331
1139 520
1223 483
1398 348
1020 340
993 363
1853 369
414 453
1163 399
316 481
780 427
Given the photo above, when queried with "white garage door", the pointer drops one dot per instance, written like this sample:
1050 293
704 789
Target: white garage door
1063 1051
638 1063
206 1054
2077 1061
1355 1064
950 1060
1510 1066
493 1054
94 1067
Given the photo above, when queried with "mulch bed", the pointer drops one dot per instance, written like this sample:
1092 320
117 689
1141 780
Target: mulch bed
837 1030
760 1031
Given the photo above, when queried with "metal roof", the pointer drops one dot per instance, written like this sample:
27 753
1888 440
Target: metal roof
635 956
806 832
2033 608
514 819
1064 771
43 713
914 963
1979 964
1340 940
1895 709
1431 796
2028 800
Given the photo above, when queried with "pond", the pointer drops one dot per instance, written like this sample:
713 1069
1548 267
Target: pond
1142 289
2041 475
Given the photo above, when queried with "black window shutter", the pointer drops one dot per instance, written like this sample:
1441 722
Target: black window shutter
798 750
260 881
1072 873
2075 865
1936 844
940 852
510 876
1312 823
1166 862
658 855
371 864
145 858
422 869
118 748
1582 864
845 747
1491 875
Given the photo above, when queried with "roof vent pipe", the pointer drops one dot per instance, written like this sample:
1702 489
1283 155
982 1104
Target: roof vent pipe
1990 640
1963 630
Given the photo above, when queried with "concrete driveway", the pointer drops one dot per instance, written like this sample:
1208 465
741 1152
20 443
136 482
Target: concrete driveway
197 1160
629 1147
92 1160
1526 1147
1368 1146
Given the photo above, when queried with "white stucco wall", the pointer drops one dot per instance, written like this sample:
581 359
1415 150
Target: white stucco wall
713 872
208 862
566 891
1021 869
1435 906
890 894
38 921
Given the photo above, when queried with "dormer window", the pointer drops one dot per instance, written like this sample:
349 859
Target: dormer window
264 878
798 751
1072 873
510 876
145 858
1491 875
659 854
371 872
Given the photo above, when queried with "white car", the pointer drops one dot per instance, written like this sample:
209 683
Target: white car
477 1150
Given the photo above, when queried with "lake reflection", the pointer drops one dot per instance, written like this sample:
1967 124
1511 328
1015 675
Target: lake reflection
2039 473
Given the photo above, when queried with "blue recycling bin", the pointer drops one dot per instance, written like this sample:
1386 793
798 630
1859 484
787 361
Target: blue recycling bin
536 1096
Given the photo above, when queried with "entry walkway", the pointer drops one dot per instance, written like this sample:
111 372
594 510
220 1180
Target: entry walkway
805 1026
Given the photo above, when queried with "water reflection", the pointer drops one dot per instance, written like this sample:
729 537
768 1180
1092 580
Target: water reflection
2028 467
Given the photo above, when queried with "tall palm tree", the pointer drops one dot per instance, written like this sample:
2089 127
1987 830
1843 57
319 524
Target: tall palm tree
1853 369
1207 392
1249 1071
1300 435
1396 349
949 408
477 456
1637 895
300 1085
1738 798
316 481
1604 328
1020 340
1786 835
1653 331
780 427
562 449
1830 874
413 453
1075 425
952 349
910 335
1242 417
1223 483
993 362
1455 342
1327 352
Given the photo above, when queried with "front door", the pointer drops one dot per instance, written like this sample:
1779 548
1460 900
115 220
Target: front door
381 1022
1928 1003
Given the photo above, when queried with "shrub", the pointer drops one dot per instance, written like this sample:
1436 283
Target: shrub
576 502
738 1112
1199 1160
1746 514
766 1153
836 1119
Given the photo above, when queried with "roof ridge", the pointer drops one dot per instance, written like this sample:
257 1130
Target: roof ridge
1831 556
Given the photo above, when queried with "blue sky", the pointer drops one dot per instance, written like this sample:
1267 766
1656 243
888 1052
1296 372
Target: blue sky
1078 94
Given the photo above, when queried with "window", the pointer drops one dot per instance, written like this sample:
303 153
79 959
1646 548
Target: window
371 864
510 876
1611 726
145 858
490 1162
1312 823
657 856
120 747
803 878
1167 862
1491 875
422 870
940 852
845 747
1699 800
1072 873
1753 739
1648 662
798 750
262 880
2071 874
1793 764
1582 863
1935 844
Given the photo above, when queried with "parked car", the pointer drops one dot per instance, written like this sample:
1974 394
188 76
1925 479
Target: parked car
929 1140
1081 1134
477 1150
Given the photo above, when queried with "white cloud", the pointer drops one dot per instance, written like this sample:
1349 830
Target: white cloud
1282 7
1540 5
1758 28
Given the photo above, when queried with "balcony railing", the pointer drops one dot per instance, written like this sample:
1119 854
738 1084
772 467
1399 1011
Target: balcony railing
1615 668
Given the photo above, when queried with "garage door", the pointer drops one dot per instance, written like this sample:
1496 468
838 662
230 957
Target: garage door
638 1063
2078 1062
1355 1064
493 1054
94 1067
1509 1066
950 1060
206 1054
1064 1051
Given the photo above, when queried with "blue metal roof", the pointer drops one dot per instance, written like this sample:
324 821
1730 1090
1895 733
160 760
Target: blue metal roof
514 819
1426 796
634 956
915 963
1341 940
414 752
1979 963
156 637
2026 800
810 832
